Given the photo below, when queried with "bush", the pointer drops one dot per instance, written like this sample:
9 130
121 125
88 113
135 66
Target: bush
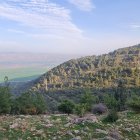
29 103
99 109
80 110
134 103
66 107
112 116
5 100
87 99
110 101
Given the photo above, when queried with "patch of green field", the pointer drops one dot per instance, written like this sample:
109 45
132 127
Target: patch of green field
21 74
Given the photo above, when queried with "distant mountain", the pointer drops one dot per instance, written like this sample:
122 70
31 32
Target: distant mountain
101 71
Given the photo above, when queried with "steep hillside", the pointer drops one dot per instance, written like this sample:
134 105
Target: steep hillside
94 71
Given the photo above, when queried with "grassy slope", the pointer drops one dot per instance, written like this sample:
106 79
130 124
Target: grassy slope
56 127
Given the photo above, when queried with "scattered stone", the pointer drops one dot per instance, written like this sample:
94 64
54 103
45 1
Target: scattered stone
76 131
68 124
13 126
58 121
101 131
54 138
128 129
32 129
77 138
88 118
70 133
86 128
49 125
40 132
48 121
92 118
106 138
115 134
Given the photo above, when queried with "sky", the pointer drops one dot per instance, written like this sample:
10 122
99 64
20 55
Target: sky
68 26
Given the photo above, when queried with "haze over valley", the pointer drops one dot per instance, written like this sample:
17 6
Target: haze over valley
21 67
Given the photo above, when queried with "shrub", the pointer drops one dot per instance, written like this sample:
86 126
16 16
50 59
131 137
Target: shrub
99 109
5 100
80 110
110 101
134 103
66 107
40 103
120 95
112 116
29 103
87 99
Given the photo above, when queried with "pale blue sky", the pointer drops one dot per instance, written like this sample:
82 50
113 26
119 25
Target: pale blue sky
68 26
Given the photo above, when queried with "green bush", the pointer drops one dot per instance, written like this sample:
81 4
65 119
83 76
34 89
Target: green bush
134 103
66 107
5 100
87 99
110 101
29 103
112 116
80 109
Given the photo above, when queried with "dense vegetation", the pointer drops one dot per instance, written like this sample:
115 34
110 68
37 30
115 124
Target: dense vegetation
27 103
98 72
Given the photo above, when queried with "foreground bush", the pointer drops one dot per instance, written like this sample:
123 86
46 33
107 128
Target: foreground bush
87 100
110 101
112 116
99 109
5 100
29 103
80 109
66 107
134 103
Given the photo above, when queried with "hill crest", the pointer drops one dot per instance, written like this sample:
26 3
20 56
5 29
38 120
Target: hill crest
101 71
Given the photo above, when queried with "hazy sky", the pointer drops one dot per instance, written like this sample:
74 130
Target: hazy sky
68 26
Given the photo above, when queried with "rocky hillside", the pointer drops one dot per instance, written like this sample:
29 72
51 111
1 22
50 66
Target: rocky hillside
101 71
63 127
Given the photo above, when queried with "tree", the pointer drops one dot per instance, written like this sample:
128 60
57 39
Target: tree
112 116
120 95
80 109
5 100
6 82
29 103
87 99
66 107
110 101
40 103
